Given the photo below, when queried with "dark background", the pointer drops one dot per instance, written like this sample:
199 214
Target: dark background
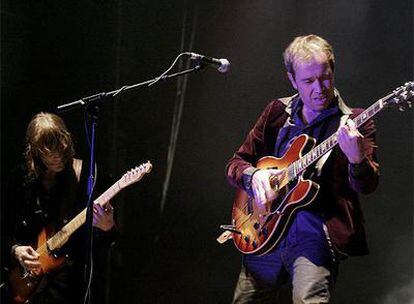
58 51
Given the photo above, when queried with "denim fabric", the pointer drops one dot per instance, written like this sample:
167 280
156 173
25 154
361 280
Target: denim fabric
285 276
305 237
303 260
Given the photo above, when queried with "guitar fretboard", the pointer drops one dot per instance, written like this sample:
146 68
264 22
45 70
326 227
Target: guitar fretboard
61 237
313 155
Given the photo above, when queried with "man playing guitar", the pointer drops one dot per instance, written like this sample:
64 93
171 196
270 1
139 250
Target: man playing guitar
330 226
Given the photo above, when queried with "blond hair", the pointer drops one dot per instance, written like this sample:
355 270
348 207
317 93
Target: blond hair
46 133
305 48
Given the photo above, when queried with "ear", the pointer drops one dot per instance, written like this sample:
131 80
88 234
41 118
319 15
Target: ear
292 80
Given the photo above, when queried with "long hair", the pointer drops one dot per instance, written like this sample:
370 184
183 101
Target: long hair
46 133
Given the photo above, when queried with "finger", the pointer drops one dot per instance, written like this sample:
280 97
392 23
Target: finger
353 128
33 253
109 209
270 195
262 197
31 264
97 218
275 172
358 134
33 268
353 135
344 130
255 192
28 257
351 124
340 133
255 188
259 194
343 135
101 218
267 191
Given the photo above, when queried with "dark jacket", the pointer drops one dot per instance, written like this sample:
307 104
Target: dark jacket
340 183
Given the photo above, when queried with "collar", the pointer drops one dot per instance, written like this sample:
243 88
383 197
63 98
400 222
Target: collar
292 101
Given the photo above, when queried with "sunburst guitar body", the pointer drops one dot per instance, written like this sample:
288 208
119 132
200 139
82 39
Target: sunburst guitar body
261 226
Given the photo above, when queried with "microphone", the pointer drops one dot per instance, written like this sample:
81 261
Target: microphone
222 65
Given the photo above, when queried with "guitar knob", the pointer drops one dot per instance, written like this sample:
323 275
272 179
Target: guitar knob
247 239
254 244
265 232
256 225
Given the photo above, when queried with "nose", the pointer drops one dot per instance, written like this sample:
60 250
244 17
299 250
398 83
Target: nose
317 86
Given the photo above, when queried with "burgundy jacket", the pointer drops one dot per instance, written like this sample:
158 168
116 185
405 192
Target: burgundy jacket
340 182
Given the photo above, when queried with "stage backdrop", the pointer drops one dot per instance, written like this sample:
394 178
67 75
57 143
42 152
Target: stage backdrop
58 51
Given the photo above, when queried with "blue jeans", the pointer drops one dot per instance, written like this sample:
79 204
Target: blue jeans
295 272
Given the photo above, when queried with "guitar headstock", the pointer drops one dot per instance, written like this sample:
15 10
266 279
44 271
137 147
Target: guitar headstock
135 174
402 96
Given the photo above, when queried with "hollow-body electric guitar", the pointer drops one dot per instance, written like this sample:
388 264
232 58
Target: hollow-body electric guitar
23 283
257 228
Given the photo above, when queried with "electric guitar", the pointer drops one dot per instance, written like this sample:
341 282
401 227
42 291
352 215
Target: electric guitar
23 283
257 228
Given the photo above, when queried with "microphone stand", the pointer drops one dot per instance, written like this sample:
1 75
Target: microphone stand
92 105
100 98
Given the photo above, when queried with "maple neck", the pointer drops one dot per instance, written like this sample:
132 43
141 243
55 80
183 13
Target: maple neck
328 144
61 237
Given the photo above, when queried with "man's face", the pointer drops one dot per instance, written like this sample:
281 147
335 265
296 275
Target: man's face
53 162
314 81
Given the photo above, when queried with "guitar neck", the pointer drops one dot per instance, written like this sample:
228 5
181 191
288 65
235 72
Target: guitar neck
328 144
61 237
